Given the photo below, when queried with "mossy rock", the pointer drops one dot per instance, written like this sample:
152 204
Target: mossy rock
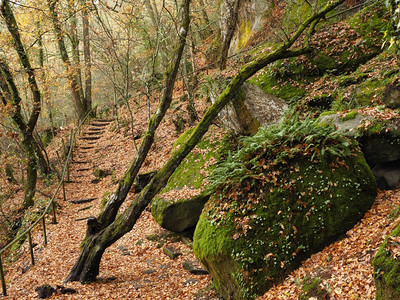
386 265
181 212
310 204
380 140
362 34
391 96
179 215
338 49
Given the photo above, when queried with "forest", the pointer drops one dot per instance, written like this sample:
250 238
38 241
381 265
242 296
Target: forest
197 149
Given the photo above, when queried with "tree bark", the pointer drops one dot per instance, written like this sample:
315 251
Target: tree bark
76 88
76 60
87 58
97 240
10 95
231 21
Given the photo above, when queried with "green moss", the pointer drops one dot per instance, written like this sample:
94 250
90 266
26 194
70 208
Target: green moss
188 173
297 12
245 33
328 113
387 269
180 214
210 247
376 127
312 289
106 197
350 116
272 83
182 138
279 207
346 80
304 216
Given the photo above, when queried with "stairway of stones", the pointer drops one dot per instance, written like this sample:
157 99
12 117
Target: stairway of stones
78 188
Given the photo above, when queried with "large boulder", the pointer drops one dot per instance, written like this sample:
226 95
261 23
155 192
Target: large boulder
180 203
379 140
294 193
387 268
251 109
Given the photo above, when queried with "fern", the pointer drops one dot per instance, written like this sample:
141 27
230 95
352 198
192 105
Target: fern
278 144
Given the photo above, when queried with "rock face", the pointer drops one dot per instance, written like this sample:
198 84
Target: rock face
250 17
255 230
387 268
179 205
379 140
391 96
387 174
178 215
252 107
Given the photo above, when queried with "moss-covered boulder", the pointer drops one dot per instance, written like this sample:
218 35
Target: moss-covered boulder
387 268
288 192
180 203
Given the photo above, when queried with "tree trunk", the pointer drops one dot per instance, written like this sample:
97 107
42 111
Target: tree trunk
76 60
231 21
87 58
31 171
76 88
97 240
107 216
43 77
10 95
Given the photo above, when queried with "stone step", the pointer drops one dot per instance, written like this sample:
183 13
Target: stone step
94 132
89 138
81 201
99 124
103 120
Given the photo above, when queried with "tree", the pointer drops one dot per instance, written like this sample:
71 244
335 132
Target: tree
232 8
87 56
73 70
109 227
10 97
87 267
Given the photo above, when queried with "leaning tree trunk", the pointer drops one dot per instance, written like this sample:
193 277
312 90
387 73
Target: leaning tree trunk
96 241
108 215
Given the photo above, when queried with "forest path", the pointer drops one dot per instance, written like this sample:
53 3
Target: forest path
134 267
